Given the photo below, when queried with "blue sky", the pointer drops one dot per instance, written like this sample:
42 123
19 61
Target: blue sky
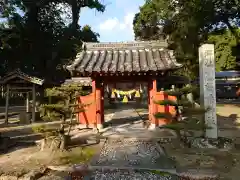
115 24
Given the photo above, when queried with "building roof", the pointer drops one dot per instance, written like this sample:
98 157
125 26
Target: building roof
173 79
21 75
82 81
227 74
124 57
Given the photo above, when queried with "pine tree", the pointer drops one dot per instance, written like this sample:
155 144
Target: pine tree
189 117
65 107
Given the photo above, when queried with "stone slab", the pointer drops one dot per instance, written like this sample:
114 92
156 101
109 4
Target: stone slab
132 153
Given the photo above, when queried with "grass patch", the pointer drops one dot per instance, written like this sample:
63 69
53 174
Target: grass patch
160 173
77 155
220 105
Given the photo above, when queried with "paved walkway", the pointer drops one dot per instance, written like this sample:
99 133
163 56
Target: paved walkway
132 159
128 123
130 151
133 152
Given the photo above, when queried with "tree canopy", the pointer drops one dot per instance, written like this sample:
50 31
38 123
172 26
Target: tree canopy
37 37
225 43
187 24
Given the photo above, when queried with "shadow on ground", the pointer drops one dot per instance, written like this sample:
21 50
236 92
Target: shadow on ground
25 130
24 138
13 145
124 106
122 121
126 113
229 126
13 139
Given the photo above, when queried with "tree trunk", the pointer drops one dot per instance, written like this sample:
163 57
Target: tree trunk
63 142
71 123
75 15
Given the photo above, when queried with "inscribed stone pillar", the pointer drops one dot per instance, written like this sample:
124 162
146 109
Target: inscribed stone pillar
208 87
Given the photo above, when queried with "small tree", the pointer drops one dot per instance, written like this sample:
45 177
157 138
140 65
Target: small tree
65 107
189 116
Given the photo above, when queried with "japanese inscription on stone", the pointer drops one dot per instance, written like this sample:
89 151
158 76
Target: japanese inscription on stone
208 87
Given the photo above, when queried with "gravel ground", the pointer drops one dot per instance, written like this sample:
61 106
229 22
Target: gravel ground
132 153
129 154
128 175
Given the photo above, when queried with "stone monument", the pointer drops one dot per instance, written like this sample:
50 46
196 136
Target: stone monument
208 87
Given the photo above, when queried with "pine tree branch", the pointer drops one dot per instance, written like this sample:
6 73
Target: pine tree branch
174 126
191 121
166 103
178 92
163 115
191 111
183 102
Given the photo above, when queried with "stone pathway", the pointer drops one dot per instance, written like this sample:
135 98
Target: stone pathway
132 152
131 159
128 123
128 152
124 117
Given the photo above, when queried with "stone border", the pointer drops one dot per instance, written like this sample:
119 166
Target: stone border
185 174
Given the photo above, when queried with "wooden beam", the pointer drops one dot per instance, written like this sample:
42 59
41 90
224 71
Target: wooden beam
152 106
27 102
21 88
18 81
94 94
33 103
7 104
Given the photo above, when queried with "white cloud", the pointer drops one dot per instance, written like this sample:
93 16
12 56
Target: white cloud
128 20
115 24
109 24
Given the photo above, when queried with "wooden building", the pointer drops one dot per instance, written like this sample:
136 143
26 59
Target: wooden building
18 81
110 63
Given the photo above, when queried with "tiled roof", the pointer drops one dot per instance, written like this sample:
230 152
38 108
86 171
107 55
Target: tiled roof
19 74
124 57
82 81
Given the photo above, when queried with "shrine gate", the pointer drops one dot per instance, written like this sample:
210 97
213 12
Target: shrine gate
108 63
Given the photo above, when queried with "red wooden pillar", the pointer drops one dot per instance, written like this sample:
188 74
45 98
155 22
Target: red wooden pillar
98 93
152 88
149 100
